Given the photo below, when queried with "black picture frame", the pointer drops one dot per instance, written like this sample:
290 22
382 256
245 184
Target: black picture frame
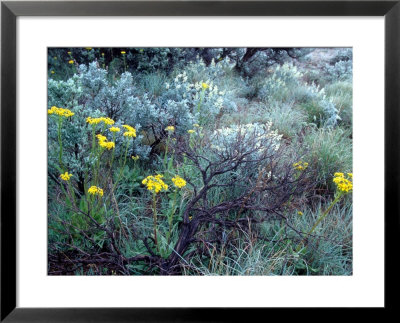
10 10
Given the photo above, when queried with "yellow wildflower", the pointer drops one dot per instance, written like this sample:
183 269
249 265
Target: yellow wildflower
60 112
196 125
343 184
107 121
65 176
170 129
68 113
179 182
102 54
300 165
103 142
123 52
130 134
114 129
300 213
71 61
135 158
191 131
91 120
95 190
52 72
101 137
69 53
155 184
129 128
131 131
205 86
110 145
92 190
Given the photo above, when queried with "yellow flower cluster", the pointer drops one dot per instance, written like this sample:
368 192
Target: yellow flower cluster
91 120
131 132
300 165
179 182
135 158
103 142
114 129
71 61
170 129
65 176
155 183
60 112
107 121
95 190
204 86
191 131
343 184
123 52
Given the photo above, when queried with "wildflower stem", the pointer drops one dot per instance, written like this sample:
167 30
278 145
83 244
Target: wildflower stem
65 193
97 168
338 197
60 143
72 192
93 138
155 220
112 157
122 167
199 105
171 216
166 153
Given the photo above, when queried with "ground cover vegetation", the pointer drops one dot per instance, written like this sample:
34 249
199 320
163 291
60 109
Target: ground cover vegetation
200 161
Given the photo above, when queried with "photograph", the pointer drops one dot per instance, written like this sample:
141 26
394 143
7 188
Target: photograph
230 161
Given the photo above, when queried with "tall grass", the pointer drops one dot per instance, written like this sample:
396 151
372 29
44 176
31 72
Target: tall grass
330 151
271 250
